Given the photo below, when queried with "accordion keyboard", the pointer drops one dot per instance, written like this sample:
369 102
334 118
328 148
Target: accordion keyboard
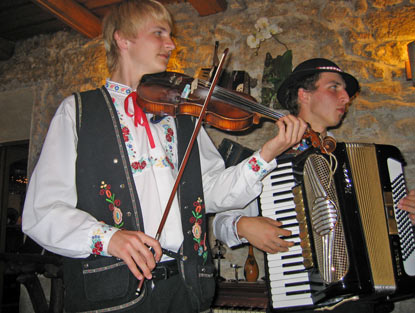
405 231
288 278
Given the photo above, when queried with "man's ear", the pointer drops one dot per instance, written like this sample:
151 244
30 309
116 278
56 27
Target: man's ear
303 99
122 42
303 95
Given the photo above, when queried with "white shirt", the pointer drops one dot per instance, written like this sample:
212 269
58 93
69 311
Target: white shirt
52 220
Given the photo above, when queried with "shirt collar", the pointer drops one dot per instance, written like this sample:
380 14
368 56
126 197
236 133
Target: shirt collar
117 87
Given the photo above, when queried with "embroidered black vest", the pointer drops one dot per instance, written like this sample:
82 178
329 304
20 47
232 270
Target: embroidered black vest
106 190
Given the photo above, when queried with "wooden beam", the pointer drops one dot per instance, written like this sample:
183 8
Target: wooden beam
73 14
208 7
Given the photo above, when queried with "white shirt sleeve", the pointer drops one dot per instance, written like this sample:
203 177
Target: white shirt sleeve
225 224
235 186
233 190
49 216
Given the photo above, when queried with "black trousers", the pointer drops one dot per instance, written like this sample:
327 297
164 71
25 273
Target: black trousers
167 296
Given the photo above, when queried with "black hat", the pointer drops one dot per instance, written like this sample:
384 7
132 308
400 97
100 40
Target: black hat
312 66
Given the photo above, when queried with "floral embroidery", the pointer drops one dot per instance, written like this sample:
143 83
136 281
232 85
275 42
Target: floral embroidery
139 166
255 165
170 140
114 204
196 220
169 133
126 133
118 87
141 162
97 245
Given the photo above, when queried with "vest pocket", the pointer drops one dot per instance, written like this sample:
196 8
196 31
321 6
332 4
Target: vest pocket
105 278
207 284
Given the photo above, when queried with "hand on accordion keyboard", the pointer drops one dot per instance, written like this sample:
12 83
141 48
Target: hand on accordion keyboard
408 204
264 233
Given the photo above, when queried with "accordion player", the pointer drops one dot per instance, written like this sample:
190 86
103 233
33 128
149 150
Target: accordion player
350 238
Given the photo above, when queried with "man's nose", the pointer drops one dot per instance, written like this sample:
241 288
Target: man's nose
169 43
344 96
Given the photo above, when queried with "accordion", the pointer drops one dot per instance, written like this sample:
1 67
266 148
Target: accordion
351 240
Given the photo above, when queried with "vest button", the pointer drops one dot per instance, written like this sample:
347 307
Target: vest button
128 214
186 207
122 186
115 160
189 232
86 265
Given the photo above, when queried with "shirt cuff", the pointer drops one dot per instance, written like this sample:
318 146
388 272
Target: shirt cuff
235 229
100 238
259 167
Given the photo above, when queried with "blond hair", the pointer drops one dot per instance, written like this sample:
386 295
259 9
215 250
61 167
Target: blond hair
127 18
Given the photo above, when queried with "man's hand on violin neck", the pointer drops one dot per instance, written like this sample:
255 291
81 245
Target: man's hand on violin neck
133 248
290 131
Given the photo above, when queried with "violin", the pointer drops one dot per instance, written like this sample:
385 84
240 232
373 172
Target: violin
172 93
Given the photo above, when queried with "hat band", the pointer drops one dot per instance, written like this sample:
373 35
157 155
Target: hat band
331 68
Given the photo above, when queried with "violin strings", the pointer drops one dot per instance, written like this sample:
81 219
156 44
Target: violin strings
243 103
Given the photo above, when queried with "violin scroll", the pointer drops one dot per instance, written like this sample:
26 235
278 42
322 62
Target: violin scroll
326 145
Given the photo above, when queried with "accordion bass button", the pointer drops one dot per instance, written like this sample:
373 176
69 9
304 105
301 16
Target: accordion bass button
298 194
305 243
308 263
303 229
300 215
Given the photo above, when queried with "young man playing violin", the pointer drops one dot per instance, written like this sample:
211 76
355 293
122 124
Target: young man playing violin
105 174
318 92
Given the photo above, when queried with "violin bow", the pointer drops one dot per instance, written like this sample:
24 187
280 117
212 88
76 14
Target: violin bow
198 125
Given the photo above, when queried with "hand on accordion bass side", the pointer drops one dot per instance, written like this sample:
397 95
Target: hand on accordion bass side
264 233
408 204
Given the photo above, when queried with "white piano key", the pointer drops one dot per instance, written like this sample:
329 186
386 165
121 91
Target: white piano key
277 298
281 206
286 271
284 182
271 213
285 303
301 276
277 207
284 282
271 192
278 256
285 196
280 171
273 184
282 292
275 263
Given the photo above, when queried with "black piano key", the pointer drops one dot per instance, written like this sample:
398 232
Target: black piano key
289 237
283 193
287 273
285 211
292 256
297 283
292 293
292 264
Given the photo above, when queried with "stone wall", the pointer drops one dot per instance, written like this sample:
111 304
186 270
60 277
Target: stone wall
367 38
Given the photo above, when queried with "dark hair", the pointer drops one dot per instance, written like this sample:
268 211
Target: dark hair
291 93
